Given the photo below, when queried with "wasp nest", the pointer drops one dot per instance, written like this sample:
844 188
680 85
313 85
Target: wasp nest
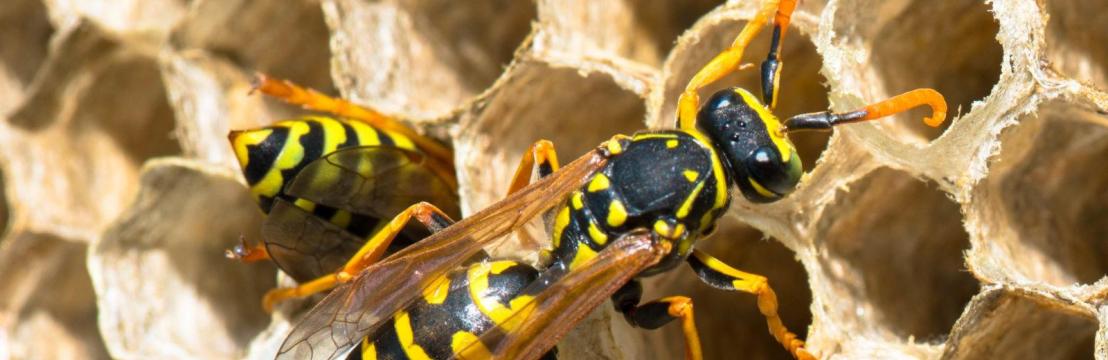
983 239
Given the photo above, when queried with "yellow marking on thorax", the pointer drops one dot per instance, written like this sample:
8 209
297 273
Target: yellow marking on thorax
671 144
478 276
578 200
437 292
617 214
717 168
773 125
560 223
690 175
407 337
582 256
649 136
683 211
670 232
599 182
468 346
597 235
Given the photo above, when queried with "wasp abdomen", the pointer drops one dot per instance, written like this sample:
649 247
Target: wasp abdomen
453 313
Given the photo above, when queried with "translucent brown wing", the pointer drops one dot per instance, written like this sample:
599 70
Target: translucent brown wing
535 328
379 181
303 245
353 310
371 184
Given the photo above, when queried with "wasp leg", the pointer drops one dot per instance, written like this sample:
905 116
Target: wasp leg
717 274
540 152
657 313
722 65
425 213
771 68
824 120
248 253
310 99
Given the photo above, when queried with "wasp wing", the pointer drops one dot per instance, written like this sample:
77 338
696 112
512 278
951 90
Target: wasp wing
355 309
557 307
380 181
365 185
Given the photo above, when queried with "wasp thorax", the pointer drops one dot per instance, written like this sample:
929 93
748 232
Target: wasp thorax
762 162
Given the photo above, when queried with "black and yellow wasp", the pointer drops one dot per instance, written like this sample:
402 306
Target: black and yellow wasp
633 207
283 163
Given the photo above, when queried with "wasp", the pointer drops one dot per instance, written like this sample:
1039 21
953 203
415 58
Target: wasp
309 233
635 206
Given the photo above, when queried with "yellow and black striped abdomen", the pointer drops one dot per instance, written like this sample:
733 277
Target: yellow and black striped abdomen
272 156
453 313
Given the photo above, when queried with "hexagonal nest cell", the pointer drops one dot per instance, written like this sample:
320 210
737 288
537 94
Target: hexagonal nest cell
982 238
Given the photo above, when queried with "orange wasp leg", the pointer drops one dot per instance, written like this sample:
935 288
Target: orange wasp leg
720 275
824 120
540 152
722 65
374 248
313 100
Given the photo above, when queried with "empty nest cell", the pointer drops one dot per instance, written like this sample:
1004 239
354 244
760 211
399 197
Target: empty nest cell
25 32
949 46
422 59
1045 163
536 101
894 246
1006 324
1075 38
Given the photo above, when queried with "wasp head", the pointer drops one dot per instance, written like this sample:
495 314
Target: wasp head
752 145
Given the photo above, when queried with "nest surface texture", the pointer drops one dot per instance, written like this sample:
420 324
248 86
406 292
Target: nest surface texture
985 238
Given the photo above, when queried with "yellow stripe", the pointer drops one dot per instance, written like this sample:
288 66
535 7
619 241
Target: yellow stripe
761 190
247 138
478 276
773 125
578 200
290 156
583 255
599 182
717 168
407 337
468 346
690 175
617 214
719 266
341 219
369 350
683 211
597 236
367 135
560 223
649 136
333 133
437 292
304 204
